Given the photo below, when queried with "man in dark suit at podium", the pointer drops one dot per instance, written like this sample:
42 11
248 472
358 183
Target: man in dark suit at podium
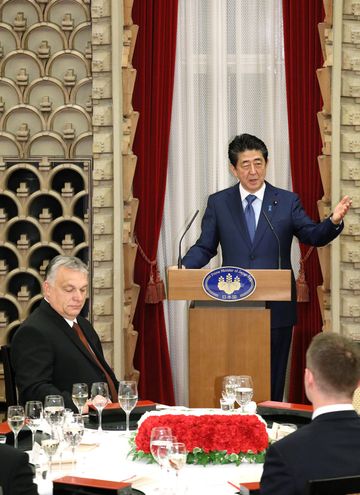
254 222
55 347
327 447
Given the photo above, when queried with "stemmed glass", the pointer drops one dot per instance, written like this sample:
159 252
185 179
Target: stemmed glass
158 439
54 410
80 394
244 391
16 420
73 432
128 396
50 445
100 398
177 459
33 416
161 440
229 388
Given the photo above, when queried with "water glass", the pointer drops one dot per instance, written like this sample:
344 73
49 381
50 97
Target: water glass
244 391
79 395
33 417
128 396
100 399
229 388
73 430
50 445
16 420
225 404
177 459
159 441
54 410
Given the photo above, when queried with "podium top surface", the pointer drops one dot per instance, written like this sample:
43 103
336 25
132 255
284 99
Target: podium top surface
186 284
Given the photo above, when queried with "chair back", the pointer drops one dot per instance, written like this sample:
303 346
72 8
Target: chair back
9 377
347 485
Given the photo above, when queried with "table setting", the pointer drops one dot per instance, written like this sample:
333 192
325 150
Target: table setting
173 450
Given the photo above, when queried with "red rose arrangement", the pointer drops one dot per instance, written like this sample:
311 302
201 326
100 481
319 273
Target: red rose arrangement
209 438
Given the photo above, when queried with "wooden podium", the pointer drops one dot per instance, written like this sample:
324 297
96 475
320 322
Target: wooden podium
228 338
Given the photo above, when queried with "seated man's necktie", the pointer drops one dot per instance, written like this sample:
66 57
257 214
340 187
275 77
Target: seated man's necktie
112 388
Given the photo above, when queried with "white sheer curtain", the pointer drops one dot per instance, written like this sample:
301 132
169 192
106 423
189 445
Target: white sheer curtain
229 79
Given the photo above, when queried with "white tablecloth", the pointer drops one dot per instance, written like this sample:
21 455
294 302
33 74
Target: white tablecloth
109 461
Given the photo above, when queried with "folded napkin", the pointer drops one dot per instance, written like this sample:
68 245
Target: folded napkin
251 407
278 431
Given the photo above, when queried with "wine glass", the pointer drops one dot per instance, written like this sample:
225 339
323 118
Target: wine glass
73 430
50 445
16 420
33 416
54 410
160 440
128 396
244 391
80 395
228 389
177 459
100 398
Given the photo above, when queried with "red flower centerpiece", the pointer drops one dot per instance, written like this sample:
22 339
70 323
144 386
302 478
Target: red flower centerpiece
213 437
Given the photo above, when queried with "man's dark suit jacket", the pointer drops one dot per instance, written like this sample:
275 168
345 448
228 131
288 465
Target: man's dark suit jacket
328 447
224 223
48 356
16 476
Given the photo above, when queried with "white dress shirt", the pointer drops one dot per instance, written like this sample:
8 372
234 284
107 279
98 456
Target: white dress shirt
257 203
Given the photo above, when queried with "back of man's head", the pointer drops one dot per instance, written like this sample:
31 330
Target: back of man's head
334 361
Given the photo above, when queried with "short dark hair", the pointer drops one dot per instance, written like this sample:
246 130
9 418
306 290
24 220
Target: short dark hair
334 361
245 142
70 262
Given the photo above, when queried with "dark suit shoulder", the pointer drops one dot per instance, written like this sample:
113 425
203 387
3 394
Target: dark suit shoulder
16 475
43 319
224 192
337 421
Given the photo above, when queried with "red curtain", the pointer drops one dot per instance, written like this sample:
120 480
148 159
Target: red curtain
154 60
302 58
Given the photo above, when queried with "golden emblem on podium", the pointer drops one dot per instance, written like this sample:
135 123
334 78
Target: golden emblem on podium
229 285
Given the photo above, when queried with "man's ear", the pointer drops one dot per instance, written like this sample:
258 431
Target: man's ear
233 170
45 287
308 376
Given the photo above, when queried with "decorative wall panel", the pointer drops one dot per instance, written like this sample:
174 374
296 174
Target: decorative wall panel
46 146
346 166
130 120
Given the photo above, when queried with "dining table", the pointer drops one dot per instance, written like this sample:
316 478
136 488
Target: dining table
106 455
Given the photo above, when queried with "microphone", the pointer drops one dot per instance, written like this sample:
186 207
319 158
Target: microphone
275 234
187 228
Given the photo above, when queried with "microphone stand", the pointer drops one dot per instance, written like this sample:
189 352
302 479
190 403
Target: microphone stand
276 236
187 228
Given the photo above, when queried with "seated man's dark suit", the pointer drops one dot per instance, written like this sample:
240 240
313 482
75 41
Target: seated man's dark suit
48 356
328 447
16 475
